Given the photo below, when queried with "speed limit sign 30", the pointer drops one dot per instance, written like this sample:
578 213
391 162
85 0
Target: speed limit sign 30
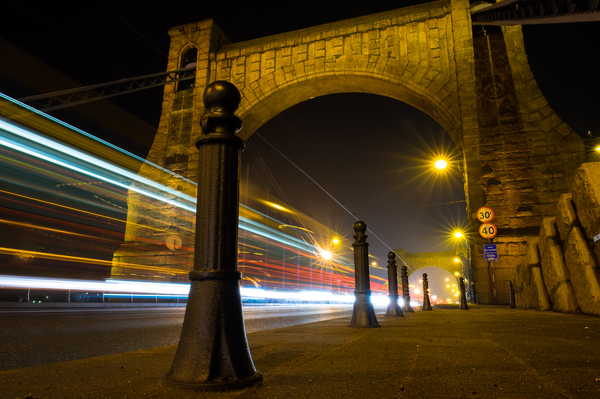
485 214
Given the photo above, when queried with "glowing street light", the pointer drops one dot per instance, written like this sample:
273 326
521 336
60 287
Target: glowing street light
335 241
441 164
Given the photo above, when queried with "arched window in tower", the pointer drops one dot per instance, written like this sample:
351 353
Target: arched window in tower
188 60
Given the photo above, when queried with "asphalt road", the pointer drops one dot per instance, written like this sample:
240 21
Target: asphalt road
43 336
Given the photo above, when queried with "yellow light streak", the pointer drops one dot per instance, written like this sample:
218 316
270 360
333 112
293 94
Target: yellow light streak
66 258
80 210
33 226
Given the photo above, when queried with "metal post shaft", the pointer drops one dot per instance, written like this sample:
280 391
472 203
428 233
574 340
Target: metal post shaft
363 314
463 294
213 351
405 291
393 308
426 303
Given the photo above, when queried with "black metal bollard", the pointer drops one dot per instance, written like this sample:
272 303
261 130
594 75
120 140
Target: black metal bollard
513 305
426 303
405 292
213 351
363 314
393 308
463 294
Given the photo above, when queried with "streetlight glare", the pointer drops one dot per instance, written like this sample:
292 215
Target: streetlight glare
458 234
335 241
441 164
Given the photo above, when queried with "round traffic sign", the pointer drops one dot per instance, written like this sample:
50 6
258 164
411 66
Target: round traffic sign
173 242
485 214
488 231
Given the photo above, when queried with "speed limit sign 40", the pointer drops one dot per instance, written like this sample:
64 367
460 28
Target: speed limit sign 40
488 231
485 214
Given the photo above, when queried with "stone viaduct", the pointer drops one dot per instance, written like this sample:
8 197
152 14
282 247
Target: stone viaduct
451 261
518 157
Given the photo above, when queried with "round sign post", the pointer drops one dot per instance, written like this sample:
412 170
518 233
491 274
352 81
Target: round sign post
488 231
485 214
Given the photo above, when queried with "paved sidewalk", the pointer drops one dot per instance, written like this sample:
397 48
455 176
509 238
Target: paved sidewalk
484 352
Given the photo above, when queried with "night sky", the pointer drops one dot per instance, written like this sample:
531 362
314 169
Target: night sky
369 152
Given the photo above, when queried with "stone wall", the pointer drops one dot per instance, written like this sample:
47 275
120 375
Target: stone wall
560 271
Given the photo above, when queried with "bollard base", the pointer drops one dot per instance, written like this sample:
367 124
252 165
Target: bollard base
213 353
217 385
363 314
393 309
408 308
426 304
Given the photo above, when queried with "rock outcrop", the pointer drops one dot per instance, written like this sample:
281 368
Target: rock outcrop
564 275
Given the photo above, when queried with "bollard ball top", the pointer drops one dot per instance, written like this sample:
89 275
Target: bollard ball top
360 227
223 95
391 256
424 275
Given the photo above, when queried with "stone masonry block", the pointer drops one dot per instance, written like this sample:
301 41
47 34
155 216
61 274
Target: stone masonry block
550 122
539 294
566 217
586 197
553 266
583 271
548 231
556 278
563 299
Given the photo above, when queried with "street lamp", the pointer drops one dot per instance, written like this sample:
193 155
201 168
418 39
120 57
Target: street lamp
441 164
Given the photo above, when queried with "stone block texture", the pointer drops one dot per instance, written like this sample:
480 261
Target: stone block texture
555 272
583 270
530 290
568 253
586 197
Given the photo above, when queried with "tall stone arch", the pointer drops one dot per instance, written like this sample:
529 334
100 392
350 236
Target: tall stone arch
517 156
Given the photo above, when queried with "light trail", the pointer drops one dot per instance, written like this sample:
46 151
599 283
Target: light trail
112 288
76 202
